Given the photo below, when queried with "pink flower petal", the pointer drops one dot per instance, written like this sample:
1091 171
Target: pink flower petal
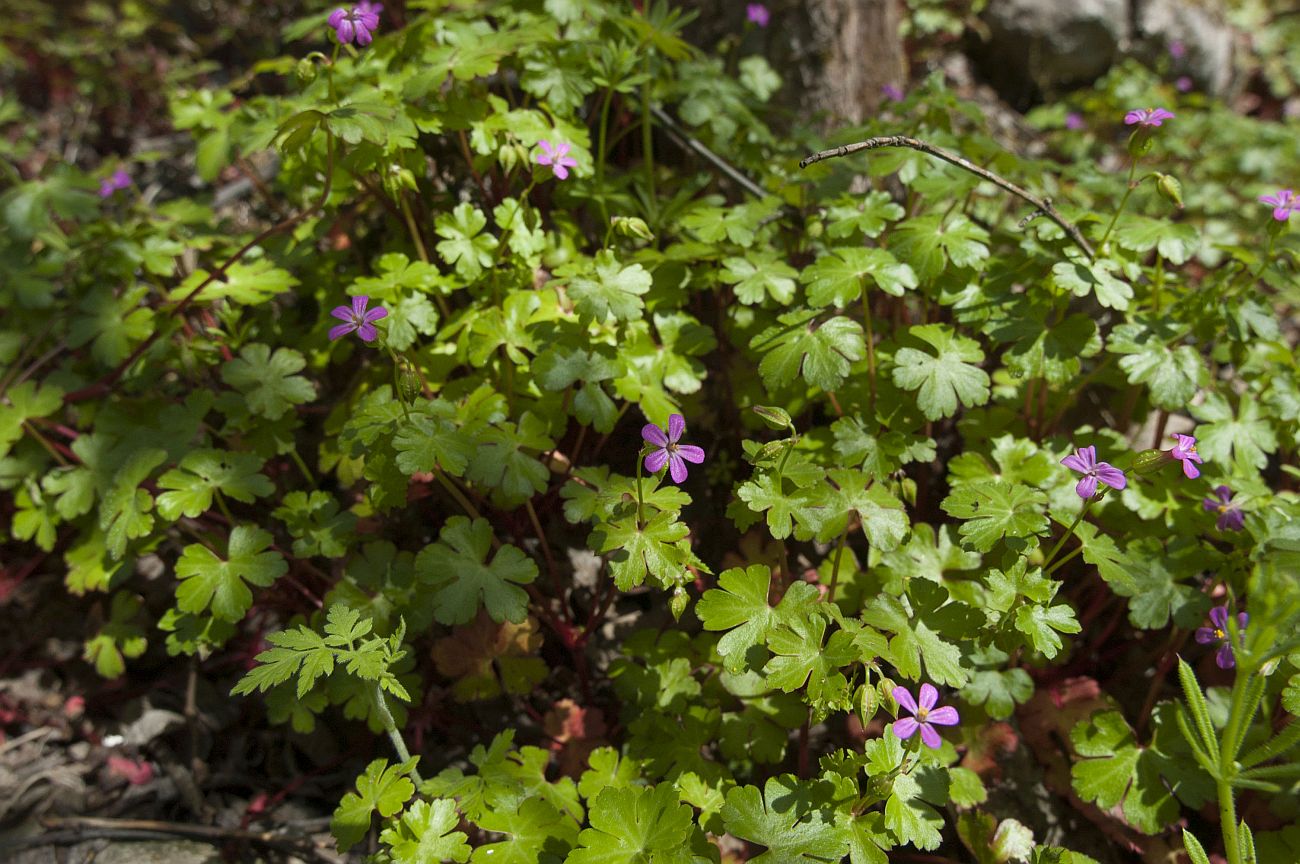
359 304
1219 617
376 313
560 171
341 330
945 716
676 427
655 461
1087 487
906 727
1204 635
1224 657
904 699
930 737
676 468
1111 476
690 453
343 313
654 435
1190 469
927 697
336 16
367 332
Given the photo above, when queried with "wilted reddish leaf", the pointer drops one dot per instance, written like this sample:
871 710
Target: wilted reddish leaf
135 772
475 653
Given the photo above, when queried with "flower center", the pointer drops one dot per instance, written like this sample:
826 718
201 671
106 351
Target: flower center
1219 634
922 713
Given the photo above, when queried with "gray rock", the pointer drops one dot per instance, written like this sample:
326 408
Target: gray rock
1034 47
1208 45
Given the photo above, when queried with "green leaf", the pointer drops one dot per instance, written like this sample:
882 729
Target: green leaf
915 640
457 567
799 658
1172 374
202 472
636 826
773 819
316 523
425 835
1116 769
119 639
758 276
124 512
819 353
1246 438
383 788
882 516
999 690
925 241
869 215
909 817
658 550
944 377
1082 278
837 278
996 510
1041 623
607 288
26 402
114 323
607 769
248 284
740 605
537 832
428 439
267 380
502 459
464 246
207 580
1175 241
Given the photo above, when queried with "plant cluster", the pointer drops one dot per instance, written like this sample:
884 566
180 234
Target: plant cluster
919 449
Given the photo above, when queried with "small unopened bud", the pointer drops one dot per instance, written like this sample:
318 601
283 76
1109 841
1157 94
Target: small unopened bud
777 418
677 605
631 226
1150 461
814 227
868 702
1171 189
411 385
305 71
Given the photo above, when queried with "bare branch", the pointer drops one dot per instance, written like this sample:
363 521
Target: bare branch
1041 204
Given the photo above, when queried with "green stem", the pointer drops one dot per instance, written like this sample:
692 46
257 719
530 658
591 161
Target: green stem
871 350
640 522
1268 256
1228 822
1123 201
1160 281
221 505
329 70
1064 558
835 573
302 466
394 734
1083 511
458 495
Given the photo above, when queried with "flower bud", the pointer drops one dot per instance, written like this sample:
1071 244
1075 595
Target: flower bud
1139 143
677 605
631 226
1151 461
411 386
1170 188
777 418
868 702
305 71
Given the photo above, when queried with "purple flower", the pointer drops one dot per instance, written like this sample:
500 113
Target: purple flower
757 13
925 715
1084 460
1147 116
356 23
358 319
1230 516
109 185
1183 83
1074 121
668 451
1219 633
557 157
1284 203
1185 451
893 92
1177 49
